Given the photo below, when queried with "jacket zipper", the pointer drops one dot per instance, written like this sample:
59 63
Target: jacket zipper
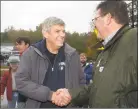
51 63
54 63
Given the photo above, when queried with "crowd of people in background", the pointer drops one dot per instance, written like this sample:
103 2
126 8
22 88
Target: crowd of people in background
52 74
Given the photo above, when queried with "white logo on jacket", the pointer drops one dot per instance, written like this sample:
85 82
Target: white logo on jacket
101 68
62 65
98 63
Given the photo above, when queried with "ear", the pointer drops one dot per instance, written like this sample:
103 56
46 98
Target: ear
27 45
45 34
108 18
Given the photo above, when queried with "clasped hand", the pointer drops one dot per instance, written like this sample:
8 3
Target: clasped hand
61 97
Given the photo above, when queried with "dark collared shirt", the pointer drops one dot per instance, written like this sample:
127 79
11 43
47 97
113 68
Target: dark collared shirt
55 75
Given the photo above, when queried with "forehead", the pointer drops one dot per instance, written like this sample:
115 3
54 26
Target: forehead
97 13
22 42
82 56
58 27
13 63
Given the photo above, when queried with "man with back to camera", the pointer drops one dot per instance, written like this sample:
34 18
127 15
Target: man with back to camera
115 82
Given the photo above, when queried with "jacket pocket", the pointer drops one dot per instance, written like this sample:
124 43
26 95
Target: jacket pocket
122 102
28 103
31 103
92 94
129 100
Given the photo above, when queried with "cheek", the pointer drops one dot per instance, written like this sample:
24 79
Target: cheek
12 66
52 37
99 25
23 47
15 66
19 47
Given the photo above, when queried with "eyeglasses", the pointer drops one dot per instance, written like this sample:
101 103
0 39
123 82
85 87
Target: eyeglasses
93 20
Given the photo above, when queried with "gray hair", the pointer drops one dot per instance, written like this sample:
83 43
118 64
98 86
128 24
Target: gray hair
50 21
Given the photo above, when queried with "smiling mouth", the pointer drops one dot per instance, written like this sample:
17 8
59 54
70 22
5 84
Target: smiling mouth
61 40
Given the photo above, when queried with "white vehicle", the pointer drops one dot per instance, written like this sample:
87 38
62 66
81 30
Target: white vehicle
16 53
6 50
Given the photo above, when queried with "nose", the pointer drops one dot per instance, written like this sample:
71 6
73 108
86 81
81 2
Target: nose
62 33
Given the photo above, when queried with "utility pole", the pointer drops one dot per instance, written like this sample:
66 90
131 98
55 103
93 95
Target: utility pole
132 13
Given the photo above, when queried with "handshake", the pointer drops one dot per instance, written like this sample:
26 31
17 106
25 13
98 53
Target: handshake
61 97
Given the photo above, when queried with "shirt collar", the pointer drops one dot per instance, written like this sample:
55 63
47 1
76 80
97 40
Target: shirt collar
43 45
107 39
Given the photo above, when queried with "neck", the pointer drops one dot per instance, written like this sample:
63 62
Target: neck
112 29
83 63
52 48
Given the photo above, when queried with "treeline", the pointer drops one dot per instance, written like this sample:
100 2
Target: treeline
82 42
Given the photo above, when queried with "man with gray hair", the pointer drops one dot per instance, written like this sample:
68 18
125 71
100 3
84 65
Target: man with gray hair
48 65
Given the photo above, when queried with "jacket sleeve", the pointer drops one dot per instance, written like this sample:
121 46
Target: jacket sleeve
3 83
80 96
24 83
129 98
130 67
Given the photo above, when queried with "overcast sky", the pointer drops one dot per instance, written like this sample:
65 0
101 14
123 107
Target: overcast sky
29 14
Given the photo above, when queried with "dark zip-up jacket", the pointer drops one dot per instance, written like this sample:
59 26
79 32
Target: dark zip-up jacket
32 70
115 82
55 76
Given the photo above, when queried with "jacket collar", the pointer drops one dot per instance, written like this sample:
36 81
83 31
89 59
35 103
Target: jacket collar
117 36
40 48
107 39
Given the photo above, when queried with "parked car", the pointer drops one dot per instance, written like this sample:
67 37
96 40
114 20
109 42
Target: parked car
15 53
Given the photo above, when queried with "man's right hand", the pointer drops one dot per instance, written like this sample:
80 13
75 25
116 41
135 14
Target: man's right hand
2 97
61 97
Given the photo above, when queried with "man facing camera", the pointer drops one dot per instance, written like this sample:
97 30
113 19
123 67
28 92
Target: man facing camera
48 65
